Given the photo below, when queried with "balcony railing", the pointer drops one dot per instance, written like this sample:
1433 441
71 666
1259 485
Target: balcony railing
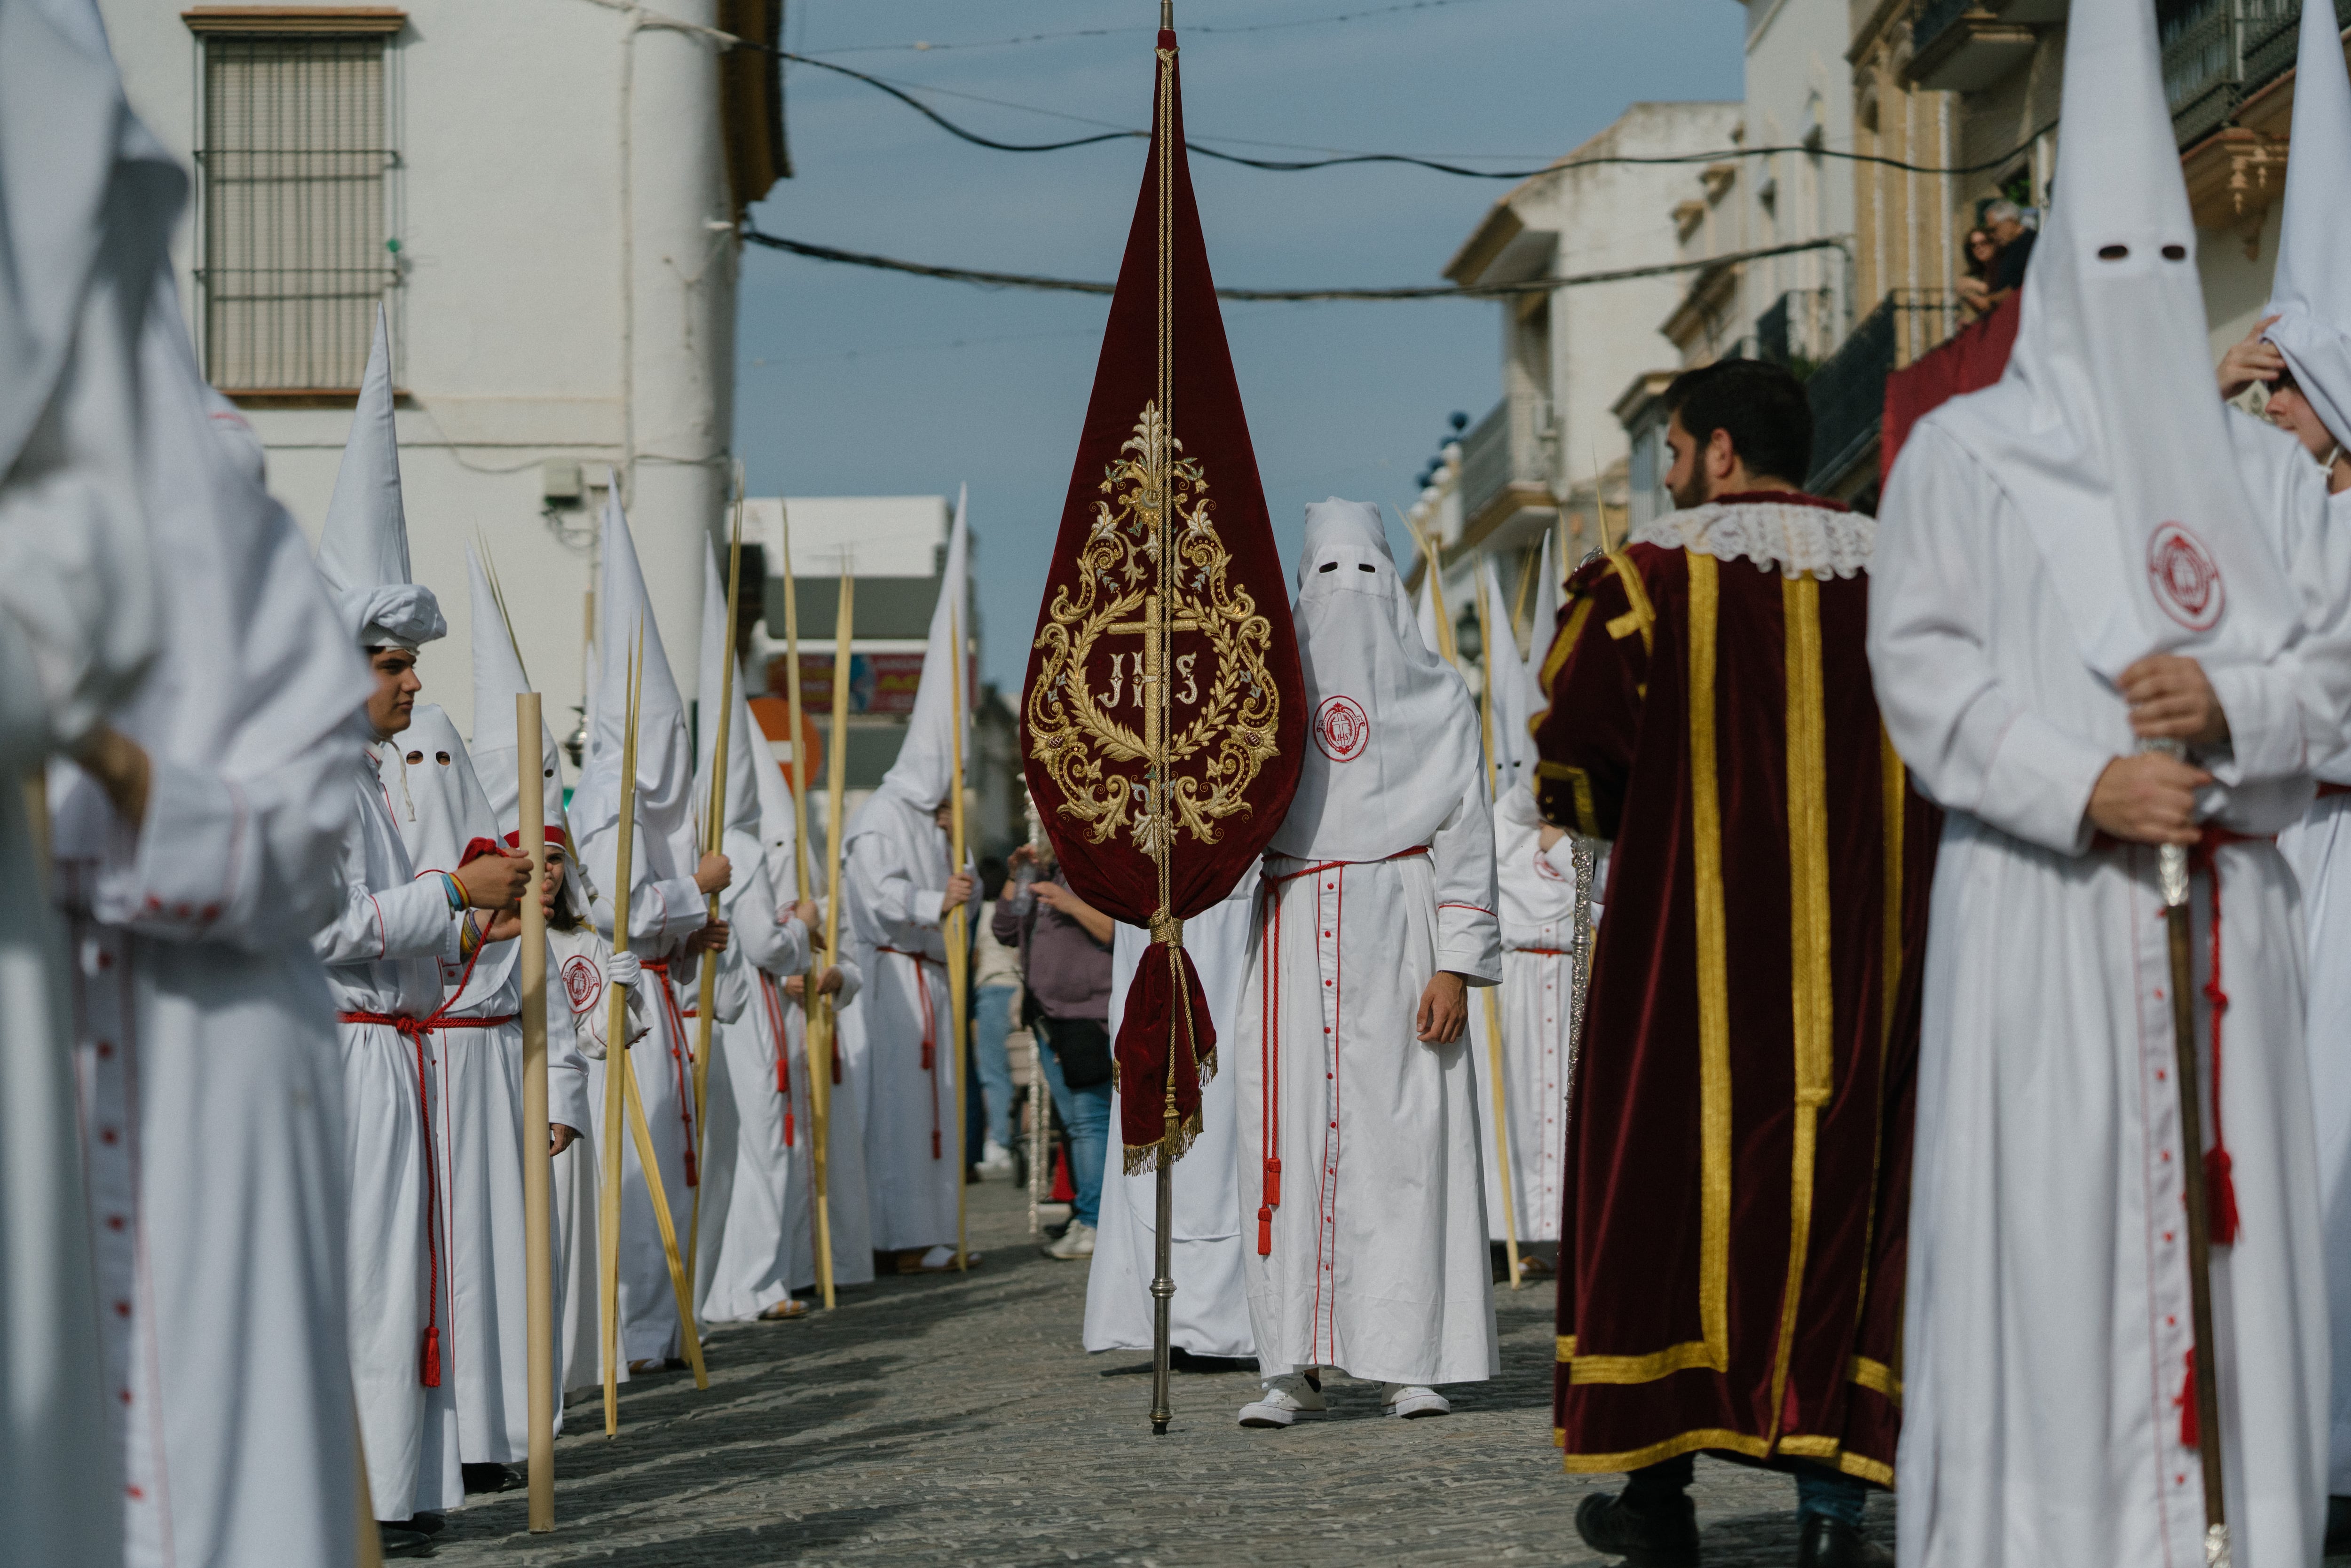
1933 18
2207 50
2270 48
1501 451
1848 391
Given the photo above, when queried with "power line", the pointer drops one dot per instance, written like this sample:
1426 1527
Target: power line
1291 296
922 46
1292 166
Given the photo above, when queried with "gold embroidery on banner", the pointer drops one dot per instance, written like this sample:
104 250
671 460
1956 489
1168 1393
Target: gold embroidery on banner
1875 1377
1713 972
1567 1348
1810 989
1101 765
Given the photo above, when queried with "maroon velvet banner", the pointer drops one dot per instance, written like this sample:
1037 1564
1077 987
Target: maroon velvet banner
1232 694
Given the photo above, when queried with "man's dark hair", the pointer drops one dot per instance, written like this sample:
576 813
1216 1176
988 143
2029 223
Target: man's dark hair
1762 405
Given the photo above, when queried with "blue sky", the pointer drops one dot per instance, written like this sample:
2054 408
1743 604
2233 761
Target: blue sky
851 381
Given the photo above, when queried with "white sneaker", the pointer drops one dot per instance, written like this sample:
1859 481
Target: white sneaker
1412 1400
1076 1242
1285 1399
995 1159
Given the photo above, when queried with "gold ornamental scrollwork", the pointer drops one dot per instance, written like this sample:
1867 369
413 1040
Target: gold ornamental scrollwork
1217 742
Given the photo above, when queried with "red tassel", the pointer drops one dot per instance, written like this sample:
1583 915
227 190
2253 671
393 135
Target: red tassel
432 1377
1264 1232
929 1061
1273 1184
693 1174
2220 1194
836 1066
2189 1436
935 1143
788 1127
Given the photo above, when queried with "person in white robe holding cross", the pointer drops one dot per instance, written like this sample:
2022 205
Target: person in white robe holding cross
2091 556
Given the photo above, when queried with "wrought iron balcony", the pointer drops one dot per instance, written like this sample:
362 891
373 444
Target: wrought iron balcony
1504 469
1848 391
2208 57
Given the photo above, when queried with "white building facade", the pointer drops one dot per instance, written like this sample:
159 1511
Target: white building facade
544 196
1552 445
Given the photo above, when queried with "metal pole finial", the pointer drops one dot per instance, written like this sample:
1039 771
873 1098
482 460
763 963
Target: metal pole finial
1166 16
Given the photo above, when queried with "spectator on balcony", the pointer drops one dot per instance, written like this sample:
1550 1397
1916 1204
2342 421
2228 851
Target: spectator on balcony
1975 282
2005 222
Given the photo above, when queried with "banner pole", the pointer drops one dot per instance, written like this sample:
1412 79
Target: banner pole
537 1160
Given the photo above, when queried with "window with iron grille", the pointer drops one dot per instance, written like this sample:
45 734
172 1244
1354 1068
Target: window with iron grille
294 246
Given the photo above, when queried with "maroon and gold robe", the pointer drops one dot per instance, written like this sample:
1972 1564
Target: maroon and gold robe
1738 1152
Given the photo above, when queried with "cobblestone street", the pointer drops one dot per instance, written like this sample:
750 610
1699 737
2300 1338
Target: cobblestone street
944 1421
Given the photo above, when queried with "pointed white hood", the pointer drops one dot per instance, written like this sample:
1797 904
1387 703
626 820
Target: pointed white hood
779 826
664 755
1391 734
743 737
498 679
1424 605
924 769
2104 430
1515 697
2311 296
444 819
363 548
1542 615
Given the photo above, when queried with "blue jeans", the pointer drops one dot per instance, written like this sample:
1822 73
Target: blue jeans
1819 1489
991 1020
1086 1113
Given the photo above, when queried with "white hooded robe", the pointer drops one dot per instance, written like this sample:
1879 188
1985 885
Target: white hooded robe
1381 874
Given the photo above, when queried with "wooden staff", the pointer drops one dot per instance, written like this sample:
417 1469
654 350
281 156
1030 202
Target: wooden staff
632 1102
538 1161
714 839
1506 1174
820 1083
2173 876
820 1034
958 938
616 1068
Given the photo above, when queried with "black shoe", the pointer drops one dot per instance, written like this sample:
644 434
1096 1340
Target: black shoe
1665 1540
1825 1542
394 1542
422 1523
2338 1526
1181 1359
484 1478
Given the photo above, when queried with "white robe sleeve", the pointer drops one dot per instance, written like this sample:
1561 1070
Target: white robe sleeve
1461 855
567 1070
2286 716
1972 746
852 980
412 921
661 909
884 890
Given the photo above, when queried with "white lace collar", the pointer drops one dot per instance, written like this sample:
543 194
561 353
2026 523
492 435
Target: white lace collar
1795 539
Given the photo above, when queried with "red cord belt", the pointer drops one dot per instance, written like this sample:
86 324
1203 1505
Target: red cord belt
414 1030
677 1062
1269 1033
930 1036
